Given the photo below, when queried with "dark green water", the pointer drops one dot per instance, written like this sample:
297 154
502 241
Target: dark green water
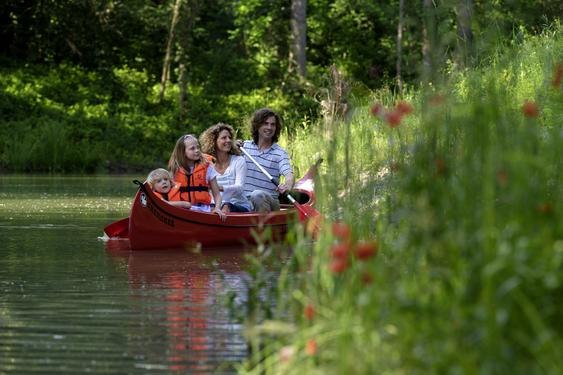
71 303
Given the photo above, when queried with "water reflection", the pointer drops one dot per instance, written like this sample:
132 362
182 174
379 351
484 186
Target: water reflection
70 304
186 291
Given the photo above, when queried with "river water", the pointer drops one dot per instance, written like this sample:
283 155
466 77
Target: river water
71 303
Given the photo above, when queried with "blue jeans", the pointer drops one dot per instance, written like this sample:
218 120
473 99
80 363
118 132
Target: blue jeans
233 207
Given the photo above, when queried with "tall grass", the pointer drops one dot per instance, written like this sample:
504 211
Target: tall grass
464 201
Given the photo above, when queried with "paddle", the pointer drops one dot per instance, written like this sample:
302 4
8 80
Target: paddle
118 228
305 212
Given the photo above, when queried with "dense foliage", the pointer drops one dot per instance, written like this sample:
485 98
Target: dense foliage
80 79
441 246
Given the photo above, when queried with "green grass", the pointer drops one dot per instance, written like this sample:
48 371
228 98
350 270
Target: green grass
464 199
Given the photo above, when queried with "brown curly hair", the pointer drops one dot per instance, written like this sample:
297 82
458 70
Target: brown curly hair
208 139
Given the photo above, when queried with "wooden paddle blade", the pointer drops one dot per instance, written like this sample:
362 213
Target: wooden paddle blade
119 229
306 212
310 217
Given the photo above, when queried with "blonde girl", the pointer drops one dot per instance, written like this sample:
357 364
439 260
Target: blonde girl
195 176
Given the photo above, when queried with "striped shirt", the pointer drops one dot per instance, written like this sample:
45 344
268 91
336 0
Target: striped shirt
274 159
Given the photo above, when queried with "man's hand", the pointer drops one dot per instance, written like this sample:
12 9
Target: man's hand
287 185
283 188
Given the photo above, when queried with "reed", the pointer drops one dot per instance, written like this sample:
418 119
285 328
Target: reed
441 248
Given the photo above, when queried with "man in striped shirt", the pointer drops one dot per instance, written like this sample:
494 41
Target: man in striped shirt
262 193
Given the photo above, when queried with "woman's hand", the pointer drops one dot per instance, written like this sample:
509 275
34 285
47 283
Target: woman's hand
221 214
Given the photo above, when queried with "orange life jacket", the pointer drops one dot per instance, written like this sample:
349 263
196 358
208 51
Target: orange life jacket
172 195
193 187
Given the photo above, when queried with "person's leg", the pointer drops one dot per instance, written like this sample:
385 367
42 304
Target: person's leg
274 203
263 202
237 208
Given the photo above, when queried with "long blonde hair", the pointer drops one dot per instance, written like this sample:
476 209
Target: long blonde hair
178 158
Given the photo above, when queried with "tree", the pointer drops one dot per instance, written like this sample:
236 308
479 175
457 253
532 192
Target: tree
399 44
464 11
427 36
297 54
165 77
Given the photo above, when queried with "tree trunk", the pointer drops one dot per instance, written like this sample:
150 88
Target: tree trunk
465 47
297 54
399 45
168 55
428 40
183 94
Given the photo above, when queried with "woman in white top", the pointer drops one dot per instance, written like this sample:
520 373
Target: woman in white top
217 141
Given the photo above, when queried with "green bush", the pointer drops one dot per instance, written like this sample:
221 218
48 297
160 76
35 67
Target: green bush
117 115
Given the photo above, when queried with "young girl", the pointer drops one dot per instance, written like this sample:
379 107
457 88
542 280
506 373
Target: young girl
195 176
161 183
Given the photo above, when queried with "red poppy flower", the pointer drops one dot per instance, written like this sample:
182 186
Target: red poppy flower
367 278
404 107
530 109
341 230
557 75
340 250
377 109
545 208
366 250
440 166
311 347
309 312
338 265
394 118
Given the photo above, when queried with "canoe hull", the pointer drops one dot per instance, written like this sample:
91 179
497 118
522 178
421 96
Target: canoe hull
155 224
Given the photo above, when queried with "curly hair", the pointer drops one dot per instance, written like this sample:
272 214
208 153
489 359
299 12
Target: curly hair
208 139
259 117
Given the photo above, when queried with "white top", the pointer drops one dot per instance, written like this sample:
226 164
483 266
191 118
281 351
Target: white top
232 181
274 159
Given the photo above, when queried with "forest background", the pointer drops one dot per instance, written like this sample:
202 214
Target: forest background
439 121
108 86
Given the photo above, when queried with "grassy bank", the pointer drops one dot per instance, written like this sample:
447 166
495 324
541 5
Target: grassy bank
448 252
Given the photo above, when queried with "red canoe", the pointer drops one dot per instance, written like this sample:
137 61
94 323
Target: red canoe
155 224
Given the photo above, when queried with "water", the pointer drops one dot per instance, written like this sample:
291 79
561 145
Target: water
70 303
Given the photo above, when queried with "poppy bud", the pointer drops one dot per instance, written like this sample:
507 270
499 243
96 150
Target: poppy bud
366 250
530 109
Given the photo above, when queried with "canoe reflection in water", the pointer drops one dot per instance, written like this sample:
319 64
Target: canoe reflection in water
181 295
